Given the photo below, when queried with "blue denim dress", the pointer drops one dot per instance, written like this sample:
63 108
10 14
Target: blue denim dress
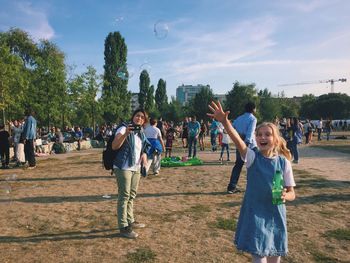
262 226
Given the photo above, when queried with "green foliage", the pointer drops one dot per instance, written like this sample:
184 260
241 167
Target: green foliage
115 99
199 104
161 98
173 111
238 96
144 85
149 104
332 105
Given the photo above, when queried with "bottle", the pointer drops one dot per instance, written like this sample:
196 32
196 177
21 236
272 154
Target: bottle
277 188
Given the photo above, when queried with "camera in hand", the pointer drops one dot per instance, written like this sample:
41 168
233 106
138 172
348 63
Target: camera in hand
135 127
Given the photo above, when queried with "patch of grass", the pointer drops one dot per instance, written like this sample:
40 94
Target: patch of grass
226 224
322 258
339 234
141 255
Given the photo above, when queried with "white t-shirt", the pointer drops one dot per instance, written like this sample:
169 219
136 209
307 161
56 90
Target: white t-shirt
152 132
226 138
287 173
138 146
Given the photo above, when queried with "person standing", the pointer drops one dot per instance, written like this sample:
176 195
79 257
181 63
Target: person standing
4 147
214 128
193 132
16 131
154 136
328 128
319 129
262 226
184 133
245 125
225 145
132 146
29 136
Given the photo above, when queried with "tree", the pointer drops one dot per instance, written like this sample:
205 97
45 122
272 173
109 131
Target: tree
173 111
161 98
238 96
115 96
149 104
144 85
269 106
199 104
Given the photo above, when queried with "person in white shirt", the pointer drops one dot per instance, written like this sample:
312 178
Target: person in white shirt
154 136
319 129
225 145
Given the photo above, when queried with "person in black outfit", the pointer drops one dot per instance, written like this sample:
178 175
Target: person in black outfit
4 147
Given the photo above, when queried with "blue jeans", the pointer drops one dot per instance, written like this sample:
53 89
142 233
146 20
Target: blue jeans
223 147
294 150
192 141
236 172
213 141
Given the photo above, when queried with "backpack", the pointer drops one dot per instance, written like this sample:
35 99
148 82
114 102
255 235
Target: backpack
108 154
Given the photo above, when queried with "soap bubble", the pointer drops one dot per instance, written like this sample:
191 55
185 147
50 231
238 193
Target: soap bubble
119 19
146 66
161 29
126 72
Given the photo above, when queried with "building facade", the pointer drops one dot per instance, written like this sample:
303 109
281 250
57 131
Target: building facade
134 101
185 93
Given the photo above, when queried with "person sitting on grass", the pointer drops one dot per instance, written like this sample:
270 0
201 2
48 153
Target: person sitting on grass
262 227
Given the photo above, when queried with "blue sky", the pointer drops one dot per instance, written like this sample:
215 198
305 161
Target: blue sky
208 42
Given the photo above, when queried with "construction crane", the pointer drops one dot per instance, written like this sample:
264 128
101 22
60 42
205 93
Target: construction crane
331 81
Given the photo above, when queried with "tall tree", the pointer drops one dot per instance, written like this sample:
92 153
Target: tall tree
144 85
115 96
161 98
149 104
238 96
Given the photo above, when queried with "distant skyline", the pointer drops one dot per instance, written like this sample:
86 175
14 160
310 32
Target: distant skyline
207 42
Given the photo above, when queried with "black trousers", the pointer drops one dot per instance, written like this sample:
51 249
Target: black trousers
29 152
5 155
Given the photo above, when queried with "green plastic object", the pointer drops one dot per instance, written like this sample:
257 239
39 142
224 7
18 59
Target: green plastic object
277 188
176 161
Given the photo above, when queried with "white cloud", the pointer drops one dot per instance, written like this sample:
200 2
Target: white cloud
24 15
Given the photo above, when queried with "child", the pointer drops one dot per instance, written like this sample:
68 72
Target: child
4 147
170 136
225 145
261 228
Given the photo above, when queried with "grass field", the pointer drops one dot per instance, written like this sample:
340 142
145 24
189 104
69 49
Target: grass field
56 213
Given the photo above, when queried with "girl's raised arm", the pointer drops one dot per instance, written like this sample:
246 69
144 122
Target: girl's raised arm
221 116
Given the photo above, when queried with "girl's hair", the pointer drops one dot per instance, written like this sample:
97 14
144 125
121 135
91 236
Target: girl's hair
280 145
144 113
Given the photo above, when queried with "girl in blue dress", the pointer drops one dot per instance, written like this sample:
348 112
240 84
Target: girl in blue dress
262 226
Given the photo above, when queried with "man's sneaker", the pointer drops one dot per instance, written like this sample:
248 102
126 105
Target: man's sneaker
232 191
128 233
31 167
295 161
136 224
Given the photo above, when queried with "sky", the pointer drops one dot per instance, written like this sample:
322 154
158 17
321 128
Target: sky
209 42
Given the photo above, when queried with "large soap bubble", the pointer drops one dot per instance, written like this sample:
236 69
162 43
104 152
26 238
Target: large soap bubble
126 72
146 66
161 29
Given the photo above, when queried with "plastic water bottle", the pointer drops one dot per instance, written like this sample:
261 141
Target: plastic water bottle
277 188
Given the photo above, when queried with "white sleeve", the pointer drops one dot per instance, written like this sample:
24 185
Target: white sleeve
288 174
249 157
121 130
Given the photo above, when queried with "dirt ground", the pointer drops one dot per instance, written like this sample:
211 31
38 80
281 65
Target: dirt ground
57 212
